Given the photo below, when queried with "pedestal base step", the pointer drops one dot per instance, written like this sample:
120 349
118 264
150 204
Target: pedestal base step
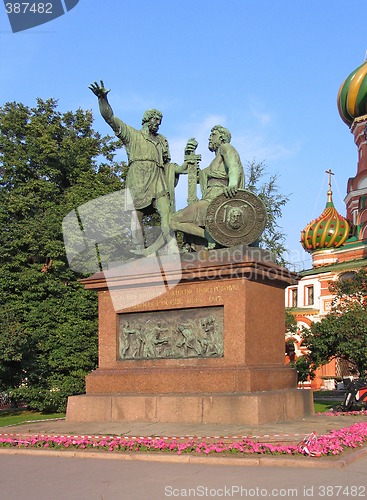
245 408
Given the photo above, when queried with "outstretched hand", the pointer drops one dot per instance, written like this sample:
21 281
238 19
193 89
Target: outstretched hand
99 89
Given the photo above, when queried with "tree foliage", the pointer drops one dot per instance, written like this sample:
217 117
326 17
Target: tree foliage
302 364
343 332
290 323
273 238
50 163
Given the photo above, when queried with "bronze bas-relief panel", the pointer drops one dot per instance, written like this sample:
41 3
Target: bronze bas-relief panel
178 333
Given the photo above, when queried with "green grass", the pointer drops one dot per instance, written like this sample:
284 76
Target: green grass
322 406
16 417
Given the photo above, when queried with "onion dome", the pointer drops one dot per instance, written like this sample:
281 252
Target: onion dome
330 230
352 95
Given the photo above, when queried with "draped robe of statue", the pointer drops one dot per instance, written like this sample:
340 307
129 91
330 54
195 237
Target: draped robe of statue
150 174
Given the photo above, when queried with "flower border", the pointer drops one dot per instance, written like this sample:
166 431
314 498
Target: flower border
333 443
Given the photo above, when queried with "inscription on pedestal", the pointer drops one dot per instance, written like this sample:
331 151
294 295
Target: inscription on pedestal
178 333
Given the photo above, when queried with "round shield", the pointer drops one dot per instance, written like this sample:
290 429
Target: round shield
236 221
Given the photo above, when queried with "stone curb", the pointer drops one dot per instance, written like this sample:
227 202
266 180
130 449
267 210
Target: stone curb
264 461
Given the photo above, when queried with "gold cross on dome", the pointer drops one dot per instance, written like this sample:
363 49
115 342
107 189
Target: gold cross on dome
330 173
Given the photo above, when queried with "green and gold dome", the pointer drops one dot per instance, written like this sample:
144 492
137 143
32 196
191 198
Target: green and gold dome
330 230
352 95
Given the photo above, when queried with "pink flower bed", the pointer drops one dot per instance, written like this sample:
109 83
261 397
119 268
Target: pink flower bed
342 413
325 445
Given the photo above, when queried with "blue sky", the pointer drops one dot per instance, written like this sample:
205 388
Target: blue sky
269 70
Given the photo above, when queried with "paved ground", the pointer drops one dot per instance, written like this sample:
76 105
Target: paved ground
321 424
57 478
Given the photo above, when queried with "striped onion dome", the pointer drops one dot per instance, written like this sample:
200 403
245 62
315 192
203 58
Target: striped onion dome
352 95
330 230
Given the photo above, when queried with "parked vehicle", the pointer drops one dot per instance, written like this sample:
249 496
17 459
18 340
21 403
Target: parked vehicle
355 395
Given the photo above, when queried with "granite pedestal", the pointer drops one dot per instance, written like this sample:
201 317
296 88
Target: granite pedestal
235 376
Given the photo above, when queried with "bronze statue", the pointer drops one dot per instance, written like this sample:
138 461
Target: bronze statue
226 215
151 177
225 175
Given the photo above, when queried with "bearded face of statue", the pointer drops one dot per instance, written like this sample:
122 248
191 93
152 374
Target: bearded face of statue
154 124
214 141
235 218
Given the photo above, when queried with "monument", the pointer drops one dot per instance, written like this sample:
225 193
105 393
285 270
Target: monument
195 335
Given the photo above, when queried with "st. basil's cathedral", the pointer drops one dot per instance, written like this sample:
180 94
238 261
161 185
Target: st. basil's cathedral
337 244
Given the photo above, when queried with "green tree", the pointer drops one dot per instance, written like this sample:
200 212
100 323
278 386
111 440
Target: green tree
50 163
290 323
343 332
273 238
303 363
304 368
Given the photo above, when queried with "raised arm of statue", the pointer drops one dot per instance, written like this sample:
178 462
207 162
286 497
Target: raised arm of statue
101 92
